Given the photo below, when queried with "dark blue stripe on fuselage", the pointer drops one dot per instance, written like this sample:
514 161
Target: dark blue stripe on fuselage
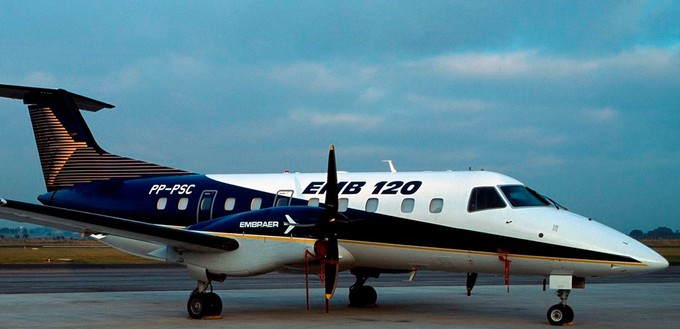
134 198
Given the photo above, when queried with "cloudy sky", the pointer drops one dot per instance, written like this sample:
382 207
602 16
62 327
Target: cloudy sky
579 100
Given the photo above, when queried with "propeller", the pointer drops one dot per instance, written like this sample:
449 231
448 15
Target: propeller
326 247
328 223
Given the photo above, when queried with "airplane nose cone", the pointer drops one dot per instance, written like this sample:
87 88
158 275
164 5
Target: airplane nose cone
657 263
649 257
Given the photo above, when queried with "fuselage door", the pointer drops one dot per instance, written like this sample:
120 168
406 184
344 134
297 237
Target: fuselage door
205 205
283 198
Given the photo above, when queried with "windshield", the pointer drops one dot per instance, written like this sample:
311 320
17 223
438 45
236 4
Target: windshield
484 197
521 196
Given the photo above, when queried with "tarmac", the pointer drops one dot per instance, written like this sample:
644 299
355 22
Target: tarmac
278 301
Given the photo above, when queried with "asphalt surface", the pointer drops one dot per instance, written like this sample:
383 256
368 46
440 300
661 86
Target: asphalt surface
155 297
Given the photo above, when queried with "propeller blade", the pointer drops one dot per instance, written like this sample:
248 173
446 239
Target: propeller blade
332 184
331 268
332 257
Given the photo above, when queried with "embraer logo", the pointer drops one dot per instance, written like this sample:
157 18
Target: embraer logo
258 224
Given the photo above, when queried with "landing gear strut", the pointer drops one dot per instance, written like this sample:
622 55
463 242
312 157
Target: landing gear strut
361 295
203 302
560 314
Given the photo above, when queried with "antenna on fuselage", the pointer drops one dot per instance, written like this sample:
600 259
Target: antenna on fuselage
393 169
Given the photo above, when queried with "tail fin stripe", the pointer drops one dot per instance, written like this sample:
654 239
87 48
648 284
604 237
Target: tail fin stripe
68 152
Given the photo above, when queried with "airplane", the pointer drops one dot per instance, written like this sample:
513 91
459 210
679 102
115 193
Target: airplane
222 225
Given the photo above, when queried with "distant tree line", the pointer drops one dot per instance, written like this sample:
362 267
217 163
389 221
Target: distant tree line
657 233
13 233
36 232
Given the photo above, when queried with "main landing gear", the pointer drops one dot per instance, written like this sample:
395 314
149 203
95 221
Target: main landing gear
361 295
561 314
203 302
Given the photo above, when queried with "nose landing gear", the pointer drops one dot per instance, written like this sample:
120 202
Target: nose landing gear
561 314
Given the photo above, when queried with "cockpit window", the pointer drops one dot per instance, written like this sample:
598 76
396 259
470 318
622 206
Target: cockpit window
486 197
521 196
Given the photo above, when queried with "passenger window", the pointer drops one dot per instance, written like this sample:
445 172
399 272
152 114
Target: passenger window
343 204
407 205
183 204
436 205
372 205
229 204
482 198
313 202
255 204
162 202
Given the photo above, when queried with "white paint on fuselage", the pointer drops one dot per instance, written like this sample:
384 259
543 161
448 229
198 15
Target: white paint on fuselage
542 224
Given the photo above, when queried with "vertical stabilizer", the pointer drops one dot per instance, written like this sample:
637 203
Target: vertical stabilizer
68 152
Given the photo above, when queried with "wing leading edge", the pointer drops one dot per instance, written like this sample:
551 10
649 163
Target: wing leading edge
79 221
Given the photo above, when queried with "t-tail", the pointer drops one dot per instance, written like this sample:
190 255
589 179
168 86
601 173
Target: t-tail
68 152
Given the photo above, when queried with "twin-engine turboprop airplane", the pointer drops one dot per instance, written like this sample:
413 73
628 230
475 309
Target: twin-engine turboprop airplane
368 223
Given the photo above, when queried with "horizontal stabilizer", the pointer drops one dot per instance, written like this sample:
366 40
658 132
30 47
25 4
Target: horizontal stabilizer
28 93
79 221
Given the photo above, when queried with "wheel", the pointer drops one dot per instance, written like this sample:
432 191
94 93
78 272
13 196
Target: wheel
370 294
204 304
362 296
214 303
197 306
569 312
559 314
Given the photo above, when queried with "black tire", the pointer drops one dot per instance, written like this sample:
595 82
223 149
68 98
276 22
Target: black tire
204 304
362 296
214 303
371 295
559 314
569 312
197 306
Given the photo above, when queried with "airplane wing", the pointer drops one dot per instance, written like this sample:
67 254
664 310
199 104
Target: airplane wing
79 221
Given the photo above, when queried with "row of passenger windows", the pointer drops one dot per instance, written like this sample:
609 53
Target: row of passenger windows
481 198
407 204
